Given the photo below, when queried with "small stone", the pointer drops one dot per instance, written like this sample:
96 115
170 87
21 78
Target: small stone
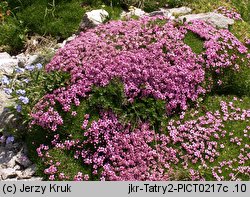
170 12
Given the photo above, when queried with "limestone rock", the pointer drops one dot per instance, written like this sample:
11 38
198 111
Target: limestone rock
171 12
33 59
22 159
178 11
158 13
5 155
12 179
133 11
4 102
67 41
22 59
92 19
7 173
215 19
28 173
7 63
17 167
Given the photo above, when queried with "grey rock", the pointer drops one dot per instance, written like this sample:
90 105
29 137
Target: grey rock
157 13
23 160
180 10
133 11
7 173
27 173
5 155
92 19
15 147
171 12
33 59
60 45
12 162
7 63
5 55
12 179
4 102
17 167
22 59
215 19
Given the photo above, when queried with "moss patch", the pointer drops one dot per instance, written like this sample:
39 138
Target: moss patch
195 42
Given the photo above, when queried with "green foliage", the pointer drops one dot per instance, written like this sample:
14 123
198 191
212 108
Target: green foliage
12 35
150 6
241 30
35 84
235 83
195 42
147 5
114 12
59 19
4 10
211 103
124 3
68 165
243 8
112 97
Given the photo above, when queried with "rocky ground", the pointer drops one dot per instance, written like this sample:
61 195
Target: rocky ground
14 163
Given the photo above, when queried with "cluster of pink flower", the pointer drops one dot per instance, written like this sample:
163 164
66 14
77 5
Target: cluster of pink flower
247 41
122 153
218 44
229 13
149 59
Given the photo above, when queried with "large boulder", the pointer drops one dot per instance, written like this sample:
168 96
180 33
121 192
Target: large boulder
92 19
215 19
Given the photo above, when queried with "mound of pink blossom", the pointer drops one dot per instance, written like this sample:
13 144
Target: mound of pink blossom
230 13
122 153
150 58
